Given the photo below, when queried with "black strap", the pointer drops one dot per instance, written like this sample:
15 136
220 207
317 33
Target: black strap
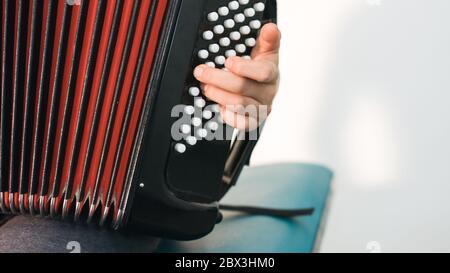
244 148
245 151
284 213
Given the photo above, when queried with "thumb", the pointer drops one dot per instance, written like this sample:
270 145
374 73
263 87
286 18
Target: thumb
268 42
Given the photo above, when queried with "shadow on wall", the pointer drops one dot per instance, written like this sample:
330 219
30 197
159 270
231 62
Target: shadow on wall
385 112
385 125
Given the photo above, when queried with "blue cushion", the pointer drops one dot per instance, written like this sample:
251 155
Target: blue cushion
278 186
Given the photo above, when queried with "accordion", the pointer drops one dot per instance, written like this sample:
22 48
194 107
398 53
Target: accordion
87 94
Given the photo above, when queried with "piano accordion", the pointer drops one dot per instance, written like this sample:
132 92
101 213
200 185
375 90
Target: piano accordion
87 91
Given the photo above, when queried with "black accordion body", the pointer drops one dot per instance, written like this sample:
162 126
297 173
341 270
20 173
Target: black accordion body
88 88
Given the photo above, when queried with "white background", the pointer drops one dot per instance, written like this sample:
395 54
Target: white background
366 91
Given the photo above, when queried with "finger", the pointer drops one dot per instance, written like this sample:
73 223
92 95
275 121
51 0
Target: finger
224 80
263 94
234 102
260 71
237 121
238 104
268 42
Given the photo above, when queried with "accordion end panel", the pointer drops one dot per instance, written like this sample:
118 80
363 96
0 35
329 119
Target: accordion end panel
188 176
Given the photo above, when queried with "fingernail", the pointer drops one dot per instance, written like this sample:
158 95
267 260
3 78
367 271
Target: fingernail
198 72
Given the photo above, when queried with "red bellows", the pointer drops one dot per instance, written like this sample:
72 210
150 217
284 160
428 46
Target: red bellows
74 75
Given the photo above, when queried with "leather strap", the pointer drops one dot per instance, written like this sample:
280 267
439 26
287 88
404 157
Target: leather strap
284 213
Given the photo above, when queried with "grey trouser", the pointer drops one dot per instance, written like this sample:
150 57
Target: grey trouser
27 234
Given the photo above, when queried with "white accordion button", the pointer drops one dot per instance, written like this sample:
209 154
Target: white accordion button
224 11
196 122
239 18
213 16
259 7
241 48
189 110
247 57
255 24
235 35
250 12
245 30
250 42
185 129
233 5
203 54
181 148
194 91
202 133
230 53
211 64
244 2
220 60
207 114
191 140
200 103
214 48
208 35
219 29
213 126
215 108
224 42
229 23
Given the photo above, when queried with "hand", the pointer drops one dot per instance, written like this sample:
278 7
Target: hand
245 82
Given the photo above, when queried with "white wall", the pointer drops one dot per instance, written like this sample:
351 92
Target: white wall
366 91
